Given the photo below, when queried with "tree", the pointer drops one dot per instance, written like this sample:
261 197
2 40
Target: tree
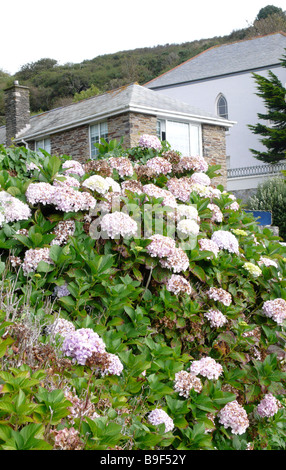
267 11
273 132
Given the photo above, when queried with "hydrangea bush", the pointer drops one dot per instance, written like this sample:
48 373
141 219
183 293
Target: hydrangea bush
141 307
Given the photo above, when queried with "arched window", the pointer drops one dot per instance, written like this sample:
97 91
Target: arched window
222 110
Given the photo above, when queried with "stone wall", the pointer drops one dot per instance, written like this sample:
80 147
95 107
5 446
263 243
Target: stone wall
73 142
17 110
130 126
214 150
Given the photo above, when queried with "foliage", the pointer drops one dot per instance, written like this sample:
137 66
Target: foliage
267 11
273 132
115 289
271 195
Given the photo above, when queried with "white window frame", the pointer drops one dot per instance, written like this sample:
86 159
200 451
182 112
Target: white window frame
102 133
163 128
44 144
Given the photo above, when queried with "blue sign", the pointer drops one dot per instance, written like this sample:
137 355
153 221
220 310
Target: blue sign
263 217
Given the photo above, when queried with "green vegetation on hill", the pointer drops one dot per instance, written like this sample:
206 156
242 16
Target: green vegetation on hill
53 85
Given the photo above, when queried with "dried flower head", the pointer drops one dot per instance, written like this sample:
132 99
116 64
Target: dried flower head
185 381
32 258
178 284
159 165
220 295
122 164
178 261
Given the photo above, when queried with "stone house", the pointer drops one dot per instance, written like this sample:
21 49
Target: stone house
220 81
127 112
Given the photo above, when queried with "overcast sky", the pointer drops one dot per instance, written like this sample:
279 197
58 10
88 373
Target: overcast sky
72 31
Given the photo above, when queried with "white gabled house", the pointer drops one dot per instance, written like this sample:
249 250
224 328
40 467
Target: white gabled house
220 81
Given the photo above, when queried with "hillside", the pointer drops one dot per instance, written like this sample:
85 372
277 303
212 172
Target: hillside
54 85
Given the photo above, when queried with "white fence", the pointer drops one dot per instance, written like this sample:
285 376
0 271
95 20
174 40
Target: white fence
257 170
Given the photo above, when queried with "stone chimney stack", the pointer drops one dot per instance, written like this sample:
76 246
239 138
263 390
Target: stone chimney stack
17 110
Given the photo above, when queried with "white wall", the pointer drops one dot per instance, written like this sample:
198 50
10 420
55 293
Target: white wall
243 106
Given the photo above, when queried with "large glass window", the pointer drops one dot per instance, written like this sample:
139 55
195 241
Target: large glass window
97 132
44 144
222 108
183 137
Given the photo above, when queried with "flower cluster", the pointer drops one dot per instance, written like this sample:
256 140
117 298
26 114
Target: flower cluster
268 406
186 211
159 165
254 270
66 181
234 416
185 381
180 188
101 185
216 318
226 241
161 246
117 224
178 261
63 231
131 185
200 178
62 327
123 166
188 227
159 416
67 439
208 245
61 291
220 295
154 191
80 407
113 366
267 262
207 367
64 198
217 215
81 344
32 258
12 208
150 141
275 309
196 163
178 284
74 167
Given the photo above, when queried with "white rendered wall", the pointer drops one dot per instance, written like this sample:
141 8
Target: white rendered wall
243 106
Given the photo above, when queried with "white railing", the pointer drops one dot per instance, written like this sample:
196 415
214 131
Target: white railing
268 169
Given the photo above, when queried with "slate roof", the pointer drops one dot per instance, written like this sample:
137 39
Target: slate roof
128 98
241 56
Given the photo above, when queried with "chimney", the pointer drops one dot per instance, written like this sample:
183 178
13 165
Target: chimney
17 110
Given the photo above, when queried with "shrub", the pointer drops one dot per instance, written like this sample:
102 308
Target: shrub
116 338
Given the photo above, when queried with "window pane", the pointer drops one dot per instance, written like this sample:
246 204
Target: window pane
195 140
222 107
178 136
97 132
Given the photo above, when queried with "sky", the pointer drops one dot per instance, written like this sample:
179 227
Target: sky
71 31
